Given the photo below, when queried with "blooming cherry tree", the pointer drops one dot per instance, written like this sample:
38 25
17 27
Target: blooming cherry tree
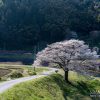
69 55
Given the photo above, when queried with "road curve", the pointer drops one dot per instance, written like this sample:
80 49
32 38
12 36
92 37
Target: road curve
8 84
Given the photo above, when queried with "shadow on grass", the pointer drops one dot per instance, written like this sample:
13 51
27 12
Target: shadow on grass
80 91
84 88
62 85
89 89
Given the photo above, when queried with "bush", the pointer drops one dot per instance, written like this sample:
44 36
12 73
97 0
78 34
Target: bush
32 73
3 78
16 74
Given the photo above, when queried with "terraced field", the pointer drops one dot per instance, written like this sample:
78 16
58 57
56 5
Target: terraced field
4 72
8 72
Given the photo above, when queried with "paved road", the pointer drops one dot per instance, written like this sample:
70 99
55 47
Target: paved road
8 84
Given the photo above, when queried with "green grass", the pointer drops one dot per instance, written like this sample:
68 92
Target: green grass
39 69
53 88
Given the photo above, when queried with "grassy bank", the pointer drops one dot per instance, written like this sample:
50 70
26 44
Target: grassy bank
53 88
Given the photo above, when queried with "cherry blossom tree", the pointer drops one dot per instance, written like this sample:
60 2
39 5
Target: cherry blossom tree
69 55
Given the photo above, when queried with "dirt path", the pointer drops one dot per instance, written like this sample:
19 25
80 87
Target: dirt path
8 84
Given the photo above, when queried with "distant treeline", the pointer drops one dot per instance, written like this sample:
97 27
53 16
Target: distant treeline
28 24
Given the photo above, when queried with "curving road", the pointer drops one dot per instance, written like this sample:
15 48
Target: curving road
8 84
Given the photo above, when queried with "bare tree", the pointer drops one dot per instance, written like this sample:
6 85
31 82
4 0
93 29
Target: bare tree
69 55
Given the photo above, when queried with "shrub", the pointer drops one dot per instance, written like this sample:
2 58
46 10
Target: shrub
16 74
4 78
32 73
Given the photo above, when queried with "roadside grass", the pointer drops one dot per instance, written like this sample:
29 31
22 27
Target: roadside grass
6 71
54 88
39 69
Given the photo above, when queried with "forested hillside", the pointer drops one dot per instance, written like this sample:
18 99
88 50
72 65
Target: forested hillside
28 24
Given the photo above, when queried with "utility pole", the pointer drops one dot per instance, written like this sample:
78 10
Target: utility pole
34 54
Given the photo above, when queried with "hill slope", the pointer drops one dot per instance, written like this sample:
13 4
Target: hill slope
52 88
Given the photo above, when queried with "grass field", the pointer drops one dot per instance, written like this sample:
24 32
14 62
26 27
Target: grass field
6 71
54 88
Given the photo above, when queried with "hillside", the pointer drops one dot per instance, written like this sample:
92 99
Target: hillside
32 24
54 88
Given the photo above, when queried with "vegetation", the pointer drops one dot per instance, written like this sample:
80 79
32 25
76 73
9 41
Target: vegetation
32 73
18 57
11 72
28 24
54 88
16 74
69 55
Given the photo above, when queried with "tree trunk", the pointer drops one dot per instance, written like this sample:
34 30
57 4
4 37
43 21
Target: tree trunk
66 75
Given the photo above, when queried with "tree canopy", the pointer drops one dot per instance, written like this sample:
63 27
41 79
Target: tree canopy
69 55
25 24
